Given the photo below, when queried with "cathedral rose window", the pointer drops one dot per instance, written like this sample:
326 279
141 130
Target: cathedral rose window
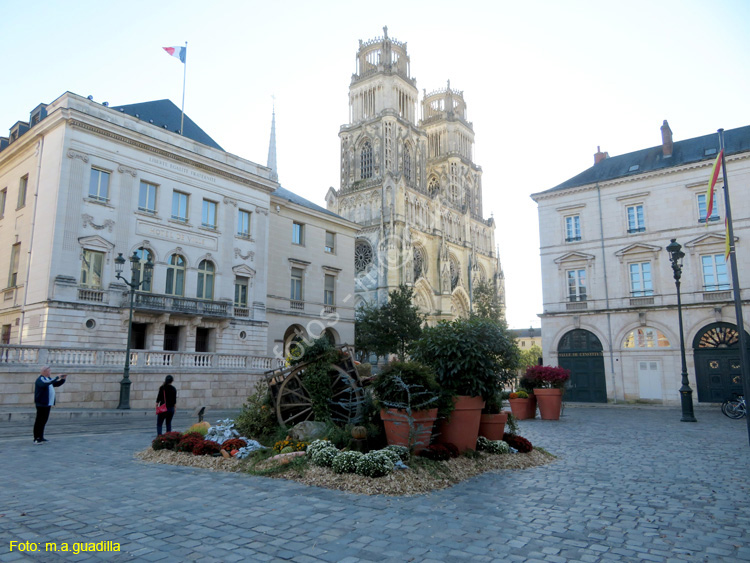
362 256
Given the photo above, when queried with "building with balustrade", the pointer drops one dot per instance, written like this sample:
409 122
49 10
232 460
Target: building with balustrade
610 302
82 182
409 181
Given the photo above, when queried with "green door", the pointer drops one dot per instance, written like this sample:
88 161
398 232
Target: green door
580 351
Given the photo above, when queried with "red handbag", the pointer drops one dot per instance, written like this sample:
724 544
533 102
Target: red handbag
163 407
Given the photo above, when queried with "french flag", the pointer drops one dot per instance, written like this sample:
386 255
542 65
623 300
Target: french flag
179 52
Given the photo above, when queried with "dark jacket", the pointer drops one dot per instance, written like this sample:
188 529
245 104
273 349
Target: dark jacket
171 394
44 394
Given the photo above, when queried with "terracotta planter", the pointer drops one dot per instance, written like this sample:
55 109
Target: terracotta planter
523 408
550 403
462 427
399 433
492 426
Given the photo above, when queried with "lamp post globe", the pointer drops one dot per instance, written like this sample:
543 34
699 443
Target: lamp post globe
686 393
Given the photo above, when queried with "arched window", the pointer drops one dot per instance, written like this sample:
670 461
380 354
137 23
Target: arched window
645 337
365 161
434 186
144 255
407 163
455 273
419 263
175 276
205 280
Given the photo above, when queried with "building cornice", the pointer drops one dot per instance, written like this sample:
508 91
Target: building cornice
169 155
636 177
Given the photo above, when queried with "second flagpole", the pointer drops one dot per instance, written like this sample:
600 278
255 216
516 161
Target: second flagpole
184 77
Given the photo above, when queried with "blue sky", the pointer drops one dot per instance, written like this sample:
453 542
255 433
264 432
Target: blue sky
545 82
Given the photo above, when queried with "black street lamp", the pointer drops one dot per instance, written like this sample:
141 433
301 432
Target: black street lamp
136 281
686 394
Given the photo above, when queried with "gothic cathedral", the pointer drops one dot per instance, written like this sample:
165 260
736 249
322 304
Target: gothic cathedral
411 184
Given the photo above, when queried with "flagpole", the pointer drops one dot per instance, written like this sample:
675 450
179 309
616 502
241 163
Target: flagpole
184 76
744 362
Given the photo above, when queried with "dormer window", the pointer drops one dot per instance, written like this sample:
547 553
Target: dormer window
634 168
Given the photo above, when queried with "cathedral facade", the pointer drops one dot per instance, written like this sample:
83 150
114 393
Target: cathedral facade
409 180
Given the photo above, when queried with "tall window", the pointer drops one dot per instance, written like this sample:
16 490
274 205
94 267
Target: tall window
175 276
3 198
365 161
98 185
636 223
144 255
407 163
179 206
572 228
715 277
328 290
209 214
298 233
22 187
702 209
91 268
296 291
576 285
330 242
640 280
205 280
243 223
147 197
240 291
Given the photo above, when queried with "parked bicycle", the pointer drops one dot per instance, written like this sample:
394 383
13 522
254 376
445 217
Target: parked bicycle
735 408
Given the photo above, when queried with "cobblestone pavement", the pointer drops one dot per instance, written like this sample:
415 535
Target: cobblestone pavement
629 484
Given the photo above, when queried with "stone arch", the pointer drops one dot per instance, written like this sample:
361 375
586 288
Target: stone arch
294 339
460 304
423 294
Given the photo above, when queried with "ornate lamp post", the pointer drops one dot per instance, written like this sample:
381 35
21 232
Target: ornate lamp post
686 394
136 281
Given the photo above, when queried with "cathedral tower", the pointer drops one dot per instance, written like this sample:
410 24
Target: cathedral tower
412 186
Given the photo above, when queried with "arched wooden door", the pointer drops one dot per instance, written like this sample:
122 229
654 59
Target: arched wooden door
581 352
716 350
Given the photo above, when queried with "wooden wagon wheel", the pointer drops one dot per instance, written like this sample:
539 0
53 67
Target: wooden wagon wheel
294 405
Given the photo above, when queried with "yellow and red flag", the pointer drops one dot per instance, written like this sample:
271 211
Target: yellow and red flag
710 192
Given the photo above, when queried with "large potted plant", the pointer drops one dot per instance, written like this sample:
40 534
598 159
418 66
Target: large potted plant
473 359
549 383
522 404
407 395
493 419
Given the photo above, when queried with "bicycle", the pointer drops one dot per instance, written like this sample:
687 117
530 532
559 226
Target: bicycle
734 408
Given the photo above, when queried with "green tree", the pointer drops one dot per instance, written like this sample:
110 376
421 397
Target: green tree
530 357
391 327
486 301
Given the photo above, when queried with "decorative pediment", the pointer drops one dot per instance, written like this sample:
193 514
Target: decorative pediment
573 257
709 239
96 242
636 249
243 270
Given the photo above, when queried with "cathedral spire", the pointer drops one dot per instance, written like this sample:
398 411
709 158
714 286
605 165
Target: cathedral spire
272 147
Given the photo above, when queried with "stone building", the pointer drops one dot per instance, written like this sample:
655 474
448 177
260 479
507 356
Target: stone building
610 303
409 180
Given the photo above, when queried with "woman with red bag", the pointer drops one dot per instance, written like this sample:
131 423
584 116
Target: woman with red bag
166 400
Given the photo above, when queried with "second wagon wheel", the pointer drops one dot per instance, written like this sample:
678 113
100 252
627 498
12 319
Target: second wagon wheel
346 399
294 404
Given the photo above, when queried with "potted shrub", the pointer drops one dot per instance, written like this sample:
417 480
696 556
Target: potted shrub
548 382
407 395
493 419
472 359
522 404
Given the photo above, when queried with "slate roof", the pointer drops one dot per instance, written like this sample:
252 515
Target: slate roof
648 160
294 198
164 112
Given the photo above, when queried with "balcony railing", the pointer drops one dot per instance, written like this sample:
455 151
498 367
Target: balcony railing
154 302
88 294
82 357
299 305
576 306
717 295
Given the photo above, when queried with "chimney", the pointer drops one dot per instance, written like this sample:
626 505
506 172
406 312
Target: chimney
666 140
599 156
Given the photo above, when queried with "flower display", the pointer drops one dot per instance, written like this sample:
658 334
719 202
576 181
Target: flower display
324 456
289 443
375 464
346 462
522 445
546 377
166 441
492 446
